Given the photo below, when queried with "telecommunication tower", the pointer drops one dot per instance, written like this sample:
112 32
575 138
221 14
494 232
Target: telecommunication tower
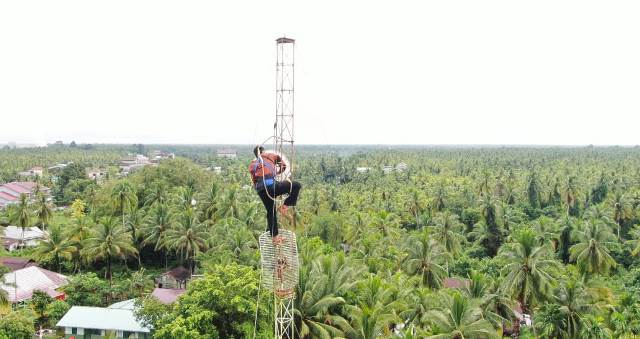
283 127
279 258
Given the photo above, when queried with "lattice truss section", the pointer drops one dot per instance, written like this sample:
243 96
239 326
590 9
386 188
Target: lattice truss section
280 266
283 128
284 325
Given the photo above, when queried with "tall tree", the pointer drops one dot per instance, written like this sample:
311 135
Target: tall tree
533 190
314 302
622 211
155 229
425 257
124 198
457 319
21 216
492 236
55 247
528 274
108 241
187 237
448 232
570 194
43 212
593 250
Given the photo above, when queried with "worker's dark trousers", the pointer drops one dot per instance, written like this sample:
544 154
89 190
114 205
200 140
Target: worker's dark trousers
280 188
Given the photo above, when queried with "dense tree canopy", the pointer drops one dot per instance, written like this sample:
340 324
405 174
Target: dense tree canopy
462 242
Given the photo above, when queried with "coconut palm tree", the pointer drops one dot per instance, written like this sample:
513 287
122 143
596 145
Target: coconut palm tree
491 236
533 190
356 228
459 320
231 203
425 257
447 231
570 193
312 311
635 241
547 231
77 233
212 202
55 247
43 212
419 302
188 237
495 306
379 304
158 193
21 216
134 223
592 252
124 197
415 206
108 241
439 198
157 223
528 276
622 210
385 222
574 302
185 197
594 328
369 322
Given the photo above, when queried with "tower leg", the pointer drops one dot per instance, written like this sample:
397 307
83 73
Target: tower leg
284 326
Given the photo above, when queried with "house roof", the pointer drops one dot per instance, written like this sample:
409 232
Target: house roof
8 196
124 305
101 318
15 232
19 189
21 283
16 263
167 295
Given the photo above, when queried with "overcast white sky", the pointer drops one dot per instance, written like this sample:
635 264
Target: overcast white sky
398 72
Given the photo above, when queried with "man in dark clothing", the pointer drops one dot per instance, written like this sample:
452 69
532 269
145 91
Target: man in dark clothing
263 171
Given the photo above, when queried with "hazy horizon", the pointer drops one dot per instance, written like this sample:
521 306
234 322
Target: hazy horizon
66 143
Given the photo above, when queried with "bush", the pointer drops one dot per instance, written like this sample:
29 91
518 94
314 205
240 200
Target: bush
17 325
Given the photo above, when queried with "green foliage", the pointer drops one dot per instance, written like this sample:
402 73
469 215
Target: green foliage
87 290
17 325
470 234
56 310
39 302
219 305
150 311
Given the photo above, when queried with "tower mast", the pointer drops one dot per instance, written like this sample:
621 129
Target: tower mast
283 127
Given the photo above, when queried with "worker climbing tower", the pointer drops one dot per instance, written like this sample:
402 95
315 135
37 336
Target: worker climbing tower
279 255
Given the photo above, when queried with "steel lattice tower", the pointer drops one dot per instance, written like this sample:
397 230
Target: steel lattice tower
283 127
284 257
